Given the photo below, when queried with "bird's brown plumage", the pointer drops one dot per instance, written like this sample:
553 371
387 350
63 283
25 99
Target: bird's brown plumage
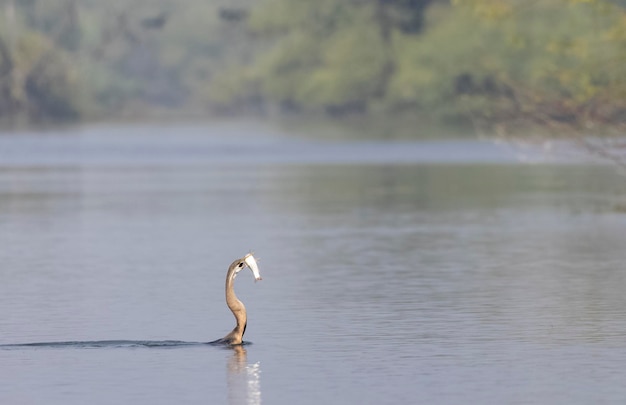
235 337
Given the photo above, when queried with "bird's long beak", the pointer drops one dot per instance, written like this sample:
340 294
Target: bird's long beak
251 262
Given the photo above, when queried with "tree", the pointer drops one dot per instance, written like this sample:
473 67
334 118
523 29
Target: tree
572 78
333 56
37 80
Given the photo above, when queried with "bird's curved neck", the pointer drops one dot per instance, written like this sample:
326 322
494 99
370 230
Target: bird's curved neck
231 299
237 308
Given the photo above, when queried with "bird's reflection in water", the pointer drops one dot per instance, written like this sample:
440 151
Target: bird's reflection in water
244 380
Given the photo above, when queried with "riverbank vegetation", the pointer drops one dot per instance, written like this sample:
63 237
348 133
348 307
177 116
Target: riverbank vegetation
498 65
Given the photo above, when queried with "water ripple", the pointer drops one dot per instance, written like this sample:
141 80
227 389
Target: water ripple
110 344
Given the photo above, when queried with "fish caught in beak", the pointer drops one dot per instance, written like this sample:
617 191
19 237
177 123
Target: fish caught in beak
251 263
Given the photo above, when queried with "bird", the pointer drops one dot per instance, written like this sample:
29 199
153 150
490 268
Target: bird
235 337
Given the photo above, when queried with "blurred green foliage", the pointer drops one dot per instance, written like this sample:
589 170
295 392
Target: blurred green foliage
37 79
499 64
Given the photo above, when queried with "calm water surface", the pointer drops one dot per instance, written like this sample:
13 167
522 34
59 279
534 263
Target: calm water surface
413 272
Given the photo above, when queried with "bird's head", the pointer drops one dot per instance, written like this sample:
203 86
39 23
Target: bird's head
247 261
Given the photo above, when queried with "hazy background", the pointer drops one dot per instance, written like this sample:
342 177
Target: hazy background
146 144
500 66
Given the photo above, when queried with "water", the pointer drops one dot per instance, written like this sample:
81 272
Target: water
439 272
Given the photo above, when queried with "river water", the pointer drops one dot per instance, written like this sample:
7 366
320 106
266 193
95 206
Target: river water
406 272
